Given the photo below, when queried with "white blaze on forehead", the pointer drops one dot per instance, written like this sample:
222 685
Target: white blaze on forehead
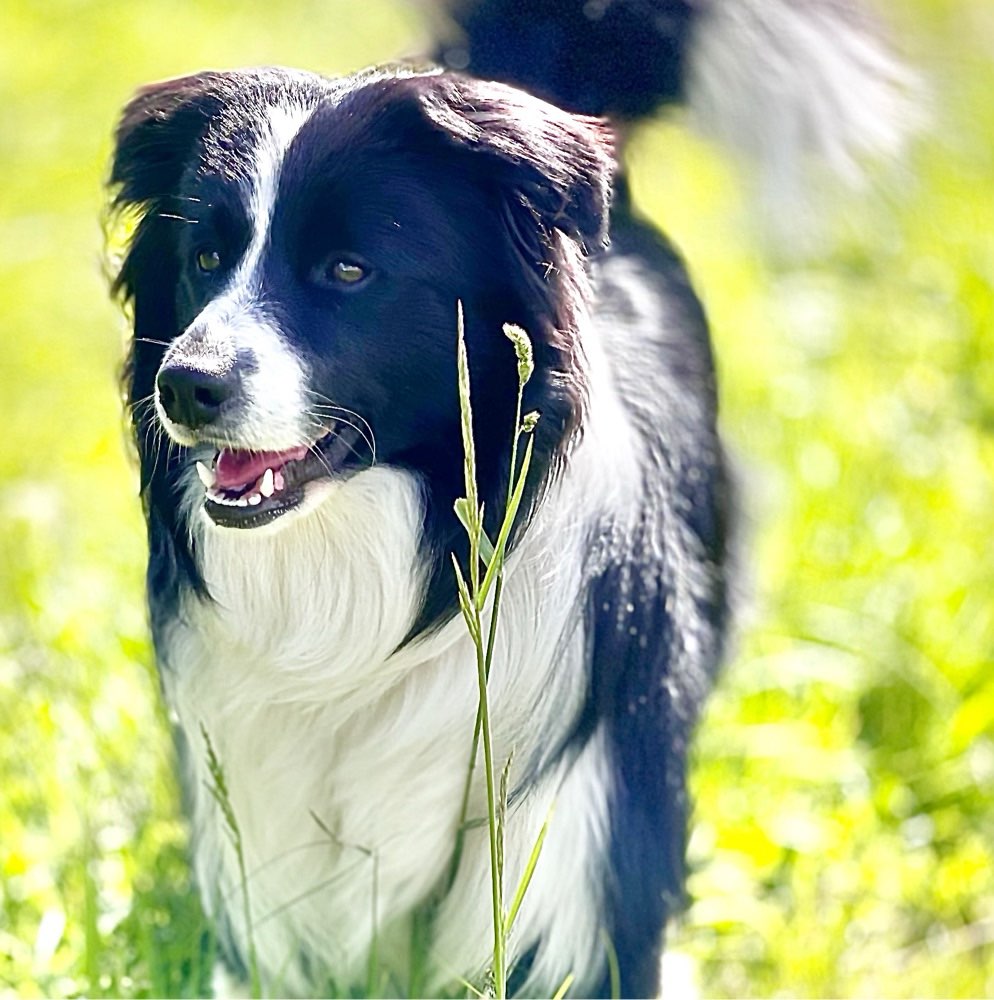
274 385
276 391
279 125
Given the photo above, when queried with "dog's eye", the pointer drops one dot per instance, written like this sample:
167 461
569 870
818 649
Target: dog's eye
340 272
208 261
347 272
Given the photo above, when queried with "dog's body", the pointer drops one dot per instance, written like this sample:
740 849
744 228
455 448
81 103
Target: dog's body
334 700
295 280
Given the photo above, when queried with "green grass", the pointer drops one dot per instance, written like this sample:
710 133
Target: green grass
842 840
480 597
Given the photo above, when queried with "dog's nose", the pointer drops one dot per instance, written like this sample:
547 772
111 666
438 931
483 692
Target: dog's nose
193 397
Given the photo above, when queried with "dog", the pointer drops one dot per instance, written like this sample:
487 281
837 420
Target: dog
305 252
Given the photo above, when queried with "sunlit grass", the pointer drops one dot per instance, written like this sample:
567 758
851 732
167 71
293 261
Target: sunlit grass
845 769
842 840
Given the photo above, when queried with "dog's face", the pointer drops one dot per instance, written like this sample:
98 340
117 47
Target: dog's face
296 272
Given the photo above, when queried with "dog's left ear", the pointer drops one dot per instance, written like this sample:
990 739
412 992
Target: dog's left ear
158 128
556 165
549 173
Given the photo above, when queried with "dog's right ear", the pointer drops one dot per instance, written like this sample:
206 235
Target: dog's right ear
157 131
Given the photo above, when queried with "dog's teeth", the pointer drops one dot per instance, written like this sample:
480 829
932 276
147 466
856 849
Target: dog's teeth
241 502
278 481
206 476
254 499
268 485
215 496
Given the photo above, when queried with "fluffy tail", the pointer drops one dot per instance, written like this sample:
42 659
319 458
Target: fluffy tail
785 82
792 81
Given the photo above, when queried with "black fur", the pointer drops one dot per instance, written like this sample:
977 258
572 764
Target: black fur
504 206
536 197
623 58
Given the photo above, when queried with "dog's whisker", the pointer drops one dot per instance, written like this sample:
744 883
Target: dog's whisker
320 425
316 452
155 428
323 402
344 416
143 404
333 408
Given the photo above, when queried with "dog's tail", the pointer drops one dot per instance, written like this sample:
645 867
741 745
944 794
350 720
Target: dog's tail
783 81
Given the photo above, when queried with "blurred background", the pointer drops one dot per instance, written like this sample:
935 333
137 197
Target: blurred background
844 826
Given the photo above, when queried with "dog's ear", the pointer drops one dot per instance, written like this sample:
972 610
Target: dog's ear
554 166
157 131
156 136
548 174
559 165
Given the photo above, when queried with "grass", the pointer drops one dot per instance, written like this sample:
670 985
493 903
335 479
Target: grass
841 843
218 789
488 555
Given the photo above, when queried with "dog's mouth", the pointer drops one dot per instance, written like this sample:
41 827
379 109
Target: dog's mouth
247 489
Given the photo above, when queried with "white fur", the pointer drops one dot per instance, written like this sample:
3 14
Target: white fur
322 724
344 756
280 126
793 83
276 416
563 902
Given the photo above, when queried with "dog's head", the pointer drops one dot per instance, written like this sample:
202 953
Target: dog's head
295 273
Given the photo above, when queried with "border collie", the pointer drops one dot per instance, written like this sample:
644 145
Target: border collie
300 248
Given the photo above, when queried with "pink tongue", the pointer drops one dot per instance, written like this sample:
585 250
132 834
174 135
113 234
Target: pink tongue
238 469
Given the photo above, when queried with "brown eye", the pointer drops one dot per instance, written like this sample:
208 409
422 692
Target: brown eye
346 272
208 260
337 273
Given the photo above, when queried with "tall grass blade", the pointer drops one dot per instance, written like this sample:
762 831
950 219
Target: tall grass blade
91 929
564 987
502 827
496 565
466 604
472 599
373 974
466 423
522 350
526 875
218 789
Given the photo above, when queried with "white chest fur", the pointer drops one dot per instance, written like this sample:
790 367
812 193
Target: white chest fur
345 759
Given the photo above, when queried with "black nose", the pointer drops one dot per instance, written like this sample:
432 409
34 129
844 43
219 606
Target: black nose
193 397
